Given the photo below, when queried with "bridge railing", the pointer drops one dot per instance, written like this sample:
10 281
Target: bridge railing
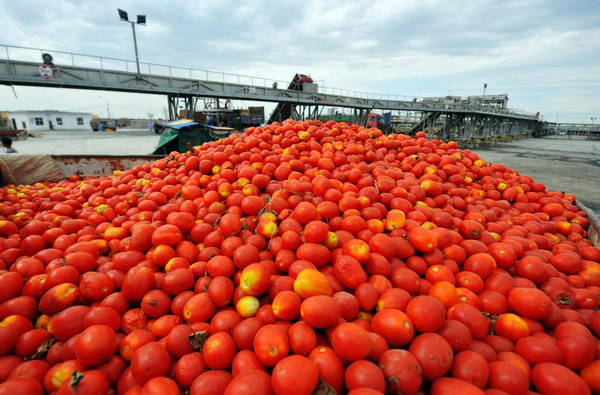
61 58
27 54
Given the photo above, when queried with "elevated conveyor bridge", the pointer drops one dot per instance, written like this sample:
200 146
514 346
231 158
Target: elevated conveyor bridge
184 86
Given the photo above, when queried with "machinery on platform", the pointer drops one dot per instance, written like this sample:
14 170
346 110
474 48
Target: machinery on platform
285 110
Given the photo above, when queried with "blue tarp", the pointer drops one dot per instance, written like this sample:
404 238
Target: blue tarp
181 123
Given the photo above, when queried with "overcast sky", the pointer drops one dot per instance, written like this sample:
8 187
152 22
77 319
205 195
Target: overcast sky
544 54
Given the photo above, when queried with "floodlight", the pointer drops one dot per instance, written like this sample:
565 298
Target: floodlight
123 15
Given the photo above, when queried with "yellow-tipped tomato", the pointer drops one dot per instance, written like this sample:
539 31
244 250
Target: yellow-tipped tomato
267 229
395 219
332 240
255 279
358 249
311 282
247 306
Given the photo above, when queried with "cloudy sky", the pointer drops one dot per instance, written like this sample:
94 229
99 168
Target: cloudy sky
544 53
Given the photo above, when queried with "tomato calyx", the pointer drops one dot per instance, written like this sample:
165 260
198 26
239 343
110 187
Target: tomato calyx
323 388
42 349
492 318
197 340
564 300
393 380
76 378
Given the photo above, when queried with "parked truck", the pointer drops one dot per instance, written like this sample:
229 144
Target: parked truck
104 124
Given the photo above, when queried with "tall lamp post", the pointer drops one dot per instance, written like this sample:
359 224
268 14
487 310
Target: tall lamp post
593 119
141 20
107 106
484 88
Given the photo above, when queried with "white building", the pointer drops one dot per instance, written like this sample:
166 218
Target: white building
49 120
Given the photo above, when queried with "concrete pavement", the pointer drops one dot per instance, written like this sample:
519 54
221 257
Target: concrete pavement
86 142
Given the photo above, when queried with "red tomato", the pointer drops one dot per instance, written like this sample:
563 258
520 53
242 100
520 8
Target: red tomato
212 382
8 339
286 305
538 349
471 367
471 317
149 361
507 377
166 234
250 382
95 286
555 378
422 239
29 342
530 302
271 345
102 315
512 327
302 337
177 280
434 355
330 367
591 375
218 351
21 385
450 385
133 341
95 345
90 381
394 326
285 375
245 360
402 371
137 282
35 369
199 308
364 374
59 298
351 342
426 313
349 271
320 311
188 367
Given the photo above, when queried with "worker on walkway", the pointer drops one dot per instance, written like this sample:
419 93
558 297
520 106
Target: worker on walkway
7 145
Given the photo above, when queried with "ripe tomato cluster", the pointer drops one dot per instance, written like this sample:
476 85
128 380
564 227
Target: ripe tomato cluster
299 257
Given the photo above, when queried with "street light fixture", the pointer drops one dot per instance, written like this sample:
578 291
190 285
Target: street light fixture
593 119
107 107
484 88
141 20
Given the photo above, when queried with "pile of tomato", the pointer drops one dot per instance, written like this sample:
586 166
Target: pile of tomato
297 258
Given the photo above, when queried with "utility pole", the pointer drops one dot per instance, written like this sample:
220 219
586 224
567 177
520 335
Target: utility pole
107 106
484 88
